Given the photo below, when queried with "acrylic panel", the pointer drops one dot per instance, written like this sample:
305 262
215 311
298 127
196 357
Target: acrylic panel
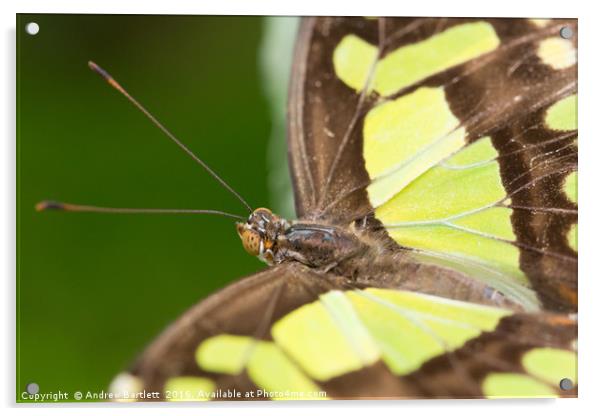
285 208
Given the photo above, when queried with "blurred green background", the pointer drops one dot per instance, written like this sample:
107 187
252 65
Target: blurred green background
94 289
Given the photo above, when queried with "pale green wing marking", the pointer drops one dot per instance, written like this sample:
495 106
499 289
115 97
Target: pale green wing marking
456 209
449 191
265 363
354 57
540 22
405 137
472 314
272 370
572 237
189 389
570 186
551 364
410 328
563 114
225 353
557 52
513 385
326 337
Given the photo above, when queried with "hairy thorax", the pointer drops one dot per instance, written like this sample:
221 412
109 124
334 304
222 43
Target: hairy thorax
360 252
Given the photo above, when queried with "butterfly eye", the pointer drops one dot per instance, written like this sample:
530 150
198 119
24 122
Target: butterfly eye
263 211
263 214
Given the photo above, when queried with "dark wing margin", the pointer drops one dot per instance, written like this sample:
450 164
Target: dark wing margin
303 181
323 113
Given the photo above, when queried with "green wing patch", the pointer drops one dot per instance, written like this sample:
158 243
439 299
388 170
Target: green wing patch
409 64
572 237
557 52
563 114
456 208
513 385
410 329
551 364
326 337
346 332
570 187
266 364
404 137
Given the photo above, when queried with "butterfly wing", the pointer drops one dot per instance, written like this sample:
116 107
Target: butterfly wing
458 134
290 333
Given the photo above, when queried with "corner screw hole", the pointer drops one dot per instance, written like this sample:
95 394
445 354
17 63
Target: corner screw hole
566 32
566 384
33 388
32 28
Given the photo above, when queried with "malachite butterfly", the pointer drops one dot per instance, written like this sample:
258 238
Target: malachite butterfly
434 164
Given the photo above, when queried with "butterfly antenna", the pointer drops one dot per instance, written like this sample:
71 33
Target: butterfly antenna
63 206
111 81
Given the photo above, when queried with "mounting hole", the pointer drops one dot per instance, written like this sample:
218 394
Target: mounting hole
32 28
32 388
566 32
566 384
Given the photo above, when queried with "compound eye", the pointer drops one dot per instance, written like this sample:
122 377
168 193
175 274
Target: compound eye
263 211
251 241
262 214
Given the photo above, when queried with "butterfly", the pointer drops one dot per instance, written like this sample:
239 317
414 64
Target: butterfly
434 166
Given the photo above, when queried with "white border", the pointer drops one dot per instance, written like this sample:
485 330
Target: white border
590 348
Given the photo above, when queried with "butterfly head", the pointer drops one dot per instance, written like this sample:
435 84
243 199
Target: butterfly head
260 233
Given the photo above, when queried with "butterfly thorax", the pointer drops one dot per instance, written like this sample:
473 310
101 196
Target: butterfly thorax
276 240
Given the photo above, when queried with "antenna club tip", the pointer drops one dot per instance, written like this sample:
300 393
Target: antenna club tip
94 67
49 205
41 206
